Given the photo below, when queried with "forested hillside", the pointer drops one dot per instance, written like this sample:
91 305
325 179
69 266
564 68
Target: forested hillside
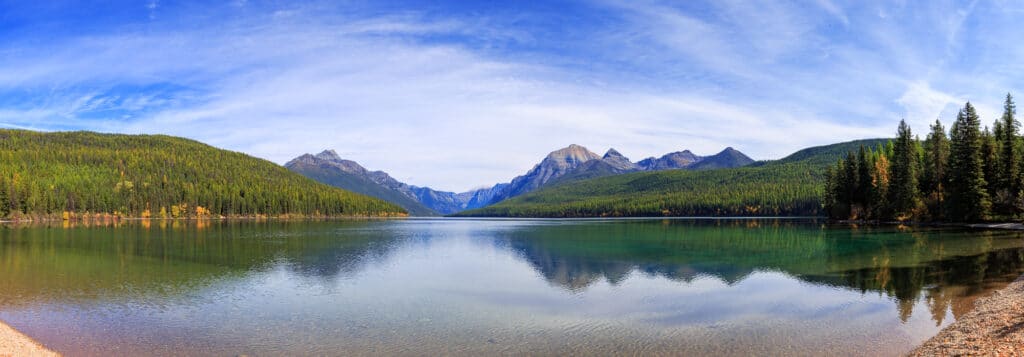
73 174
787 187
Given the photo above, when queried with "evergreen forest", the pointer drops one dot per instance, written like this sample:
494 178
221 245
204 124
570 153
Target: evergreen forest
969 174
83 174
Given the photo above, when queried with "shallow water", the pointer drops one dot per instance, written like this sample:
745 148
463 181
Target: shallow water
444 286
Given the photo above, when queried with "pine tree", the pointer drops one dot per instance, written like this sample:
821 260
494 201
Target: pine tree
990 163
967 199
903 191
840 186
936 158
1009 159
851 184
828 201
865 187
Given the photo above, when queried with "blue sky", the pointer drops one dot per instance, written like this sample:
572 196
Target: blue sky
456 95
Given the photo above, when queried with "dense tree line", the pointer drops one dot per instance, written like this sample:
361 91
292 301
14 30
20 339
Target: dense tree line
82 173
973 174
771 191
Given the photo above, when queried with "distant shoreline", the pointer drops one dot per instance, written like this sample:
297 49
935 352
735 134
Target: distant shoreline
1008 226
15 343
992 225
180 219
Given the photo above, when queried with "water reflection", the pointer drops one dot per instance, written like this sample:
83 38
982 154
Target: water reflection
168 257
112 259
450 286
949 266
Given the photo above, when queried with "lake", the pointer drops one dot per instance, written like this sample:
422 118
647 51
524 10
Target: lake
478 286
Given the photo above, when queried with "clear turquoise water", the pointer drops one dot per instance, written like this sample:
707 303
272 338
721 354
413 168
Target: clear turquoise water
471 287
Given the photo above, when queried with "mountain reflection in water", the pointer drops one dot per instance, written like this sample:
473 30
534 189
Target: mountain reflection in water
949 266
447 286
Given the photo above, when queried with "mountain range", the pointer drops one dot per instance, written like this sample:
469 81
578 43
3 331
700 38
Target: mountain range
791 186
561 166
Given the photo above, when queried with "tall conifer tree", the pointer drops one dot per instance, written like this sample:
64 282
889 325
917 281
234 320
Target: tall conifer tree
865 185
1009 156
990 163
903 191
967 198
933 175
852 183
828 202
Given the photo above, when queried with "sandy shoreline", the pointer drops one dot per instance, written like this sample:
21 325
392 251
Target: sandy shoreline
995 327
14 343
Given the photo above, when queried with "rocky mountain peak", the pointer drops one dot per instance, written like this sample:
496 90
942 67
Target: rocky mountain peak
612 153
329 158
329 155
571 155
732 152
556 164
682 154
675 160
619 163
727 158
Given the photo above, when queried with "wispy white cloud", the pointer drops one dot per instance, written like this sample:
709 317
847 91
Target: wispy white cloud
923 105
835 10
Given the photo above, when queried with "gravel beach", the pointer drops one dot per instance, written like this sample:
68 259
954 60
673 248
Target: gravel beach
994 328
14 343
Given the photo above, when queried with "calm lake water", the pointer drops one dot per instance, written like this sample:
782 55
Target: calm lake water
469 287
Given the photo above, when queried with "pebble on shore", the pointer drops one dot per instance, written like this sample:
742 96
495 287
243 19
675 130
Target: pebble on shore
994 328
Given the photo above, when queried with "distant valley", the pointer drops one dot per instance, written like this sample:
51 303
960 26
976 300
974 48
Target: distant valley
569 164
